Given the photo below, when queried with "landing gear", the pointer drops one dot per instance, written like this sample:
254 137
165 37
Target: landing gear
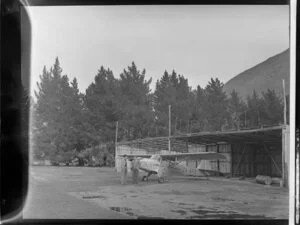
145 178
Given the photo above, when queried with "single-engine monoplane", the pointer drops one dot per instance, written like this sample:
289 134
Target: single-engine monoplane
165 164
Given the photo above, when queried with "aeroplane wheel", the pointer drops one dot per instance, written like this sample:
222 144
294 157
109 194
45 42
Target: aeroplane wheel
144 178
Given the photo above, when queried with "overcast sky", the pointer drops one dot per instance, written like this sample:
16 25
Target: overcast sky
199 42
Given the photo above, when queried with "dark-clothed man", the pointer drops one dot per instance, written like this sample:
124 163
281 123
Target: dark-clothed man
135 166
124 170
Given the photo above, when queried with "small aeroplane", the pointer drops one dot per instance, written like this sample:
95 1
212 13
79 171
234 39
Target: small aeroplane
163 164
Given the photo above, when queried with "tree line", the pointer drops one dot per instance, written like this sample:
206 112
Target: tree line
67 123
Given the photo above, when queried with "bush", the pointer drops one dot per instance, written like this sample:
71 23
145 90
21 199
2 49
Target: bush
97 156
62 157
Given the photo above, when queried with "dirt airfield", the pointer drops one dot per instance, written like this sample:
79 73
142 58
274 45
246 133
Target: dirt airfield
67 192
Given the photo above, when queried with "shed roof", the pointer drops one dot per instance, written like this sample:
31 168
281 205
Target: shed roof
267 135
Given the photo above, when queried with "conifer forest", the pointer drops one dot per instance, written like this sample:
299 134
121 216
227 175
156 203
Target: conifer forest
66 123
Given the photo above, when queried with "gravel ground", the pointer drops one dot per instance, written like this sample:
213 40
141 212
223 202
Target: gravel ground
96 193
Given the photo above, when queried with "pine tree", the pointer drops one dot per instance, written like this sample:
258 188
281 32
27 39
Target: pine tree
254 110
236 109
164 96
215 105
172 89
57 116
183 104
272 108
42 112
136 103
103 101
198 115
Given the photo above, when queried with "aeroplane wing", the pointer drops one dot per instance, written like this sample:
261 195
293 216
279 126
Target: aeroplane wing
193 156
182 156
131 156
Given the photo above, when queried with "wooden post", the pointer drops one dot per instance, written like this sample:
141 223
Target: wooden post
218 162
284 101
116 145
284 180
175 125
285 155
187 149
258 118
283 158
169 128
231 152
254 162
196 160
117 124
245 119
297 194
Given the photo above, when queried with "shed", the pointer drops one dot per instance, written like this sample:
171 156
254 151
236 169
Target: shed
249 152
252 152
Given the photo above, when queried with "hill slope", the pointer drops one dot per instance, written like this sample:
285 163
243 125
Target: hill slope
268 74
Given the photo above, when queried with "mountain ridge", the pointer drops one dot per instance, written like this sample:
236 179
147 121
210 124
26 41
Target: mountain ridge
263 76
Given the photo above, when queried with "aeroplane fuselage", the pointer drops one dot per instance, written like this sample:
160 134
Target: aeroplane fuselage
155 165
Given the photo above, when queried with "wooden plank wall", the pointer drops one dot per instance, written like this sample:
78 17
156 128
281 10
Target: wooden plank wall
256 160
224 165
193 148
261 163
178 146
160 144
242 159
276 153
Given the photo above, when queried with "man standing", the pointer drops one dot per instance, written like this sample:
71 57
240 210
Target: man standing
135 170
124 170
